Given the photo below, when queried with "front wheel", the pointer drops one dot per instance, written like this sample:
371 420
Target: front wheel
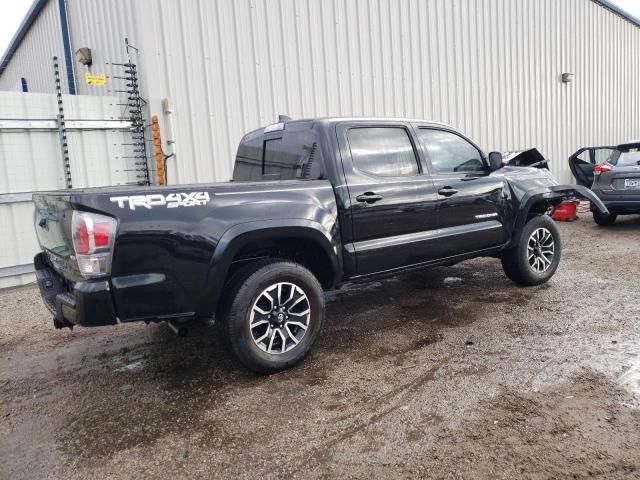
603 219
536 256
272 314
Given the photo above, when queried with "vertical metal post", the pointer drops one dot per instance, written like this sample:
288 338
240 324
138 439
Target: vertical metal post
135 106
66 43
138 127
62 130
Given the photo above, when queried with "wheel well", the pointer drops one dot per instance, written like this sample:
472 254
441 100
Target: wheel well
541 207
300 250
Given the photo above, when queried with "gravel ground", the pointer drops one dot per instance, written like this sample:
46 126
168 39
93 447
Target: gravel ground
550 387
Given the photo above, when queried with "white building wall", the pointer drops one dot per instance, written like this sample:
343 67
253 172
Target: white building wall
30 160
101 25
33 59
489 67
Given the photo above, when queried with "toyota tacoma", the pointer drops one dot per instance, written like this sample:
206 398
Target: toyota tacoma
312 204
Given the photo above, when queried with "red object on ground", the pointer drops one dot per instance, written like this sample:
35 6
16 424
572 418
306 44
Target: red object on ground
565 212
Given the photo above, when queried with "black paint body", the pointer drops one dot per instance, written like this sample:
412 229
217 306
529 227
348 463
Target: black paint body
173 262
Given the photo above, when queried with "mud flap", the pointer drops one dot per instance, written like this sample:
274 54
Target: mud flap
582 192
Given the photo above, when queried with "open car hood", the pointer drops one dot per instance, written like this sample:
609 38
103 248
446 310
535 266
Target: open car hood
525 158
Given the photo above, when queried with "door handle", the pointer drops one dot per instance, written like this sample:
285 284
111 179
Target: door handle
447 191
369 197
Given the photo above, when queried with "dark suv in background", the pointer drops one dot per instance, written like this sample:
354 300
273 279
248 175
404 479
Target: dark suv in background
613 174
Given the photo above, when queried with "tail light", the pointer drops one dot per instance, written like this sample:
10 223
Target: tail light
93 236
603 167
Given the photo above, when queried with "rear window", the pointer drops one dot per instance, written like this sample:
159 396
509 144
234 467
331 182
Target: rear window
286 157
629 158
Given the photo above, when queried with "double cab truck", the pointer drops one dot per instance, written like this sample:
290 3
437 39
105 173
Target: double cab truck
313 204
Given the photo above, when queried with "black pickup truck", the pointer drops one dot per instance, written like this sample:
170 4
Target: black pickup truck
313 204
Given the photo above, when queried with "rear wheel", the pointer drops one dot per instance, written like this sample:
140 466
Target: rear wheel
536 256
603 219
272 314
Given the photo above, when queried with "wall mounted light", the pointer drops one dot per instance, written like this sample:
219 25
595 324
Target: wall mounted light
83 56
567 77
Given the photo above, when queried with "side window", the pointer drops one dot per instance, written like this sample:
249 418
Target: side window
450 153
585 156
383 151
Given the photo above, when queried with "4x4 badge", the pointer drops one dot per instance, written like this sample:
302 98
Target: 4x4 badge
171 200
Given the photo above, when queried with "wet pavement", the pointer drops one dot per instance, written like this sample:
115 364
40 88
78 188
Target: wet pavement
446 373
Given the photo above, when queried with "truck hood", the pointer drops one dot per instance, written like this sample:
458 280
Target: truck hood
529 177
525 158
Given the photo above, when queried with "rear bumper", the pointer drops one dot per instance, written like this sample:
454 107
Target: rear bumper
619 203
622 207
87 303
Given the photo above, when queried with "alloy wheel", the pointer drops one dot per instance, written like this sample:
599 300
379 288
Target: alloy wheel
540 250
280 318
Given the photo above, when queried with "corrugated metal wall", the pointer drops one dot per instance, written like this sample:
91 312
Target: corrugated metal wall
489 67
30 160
33 58
101 25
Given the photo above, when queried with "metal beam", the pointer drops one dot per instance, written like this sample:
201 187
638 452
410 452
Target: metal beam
16 270
15 197
23 124
66 45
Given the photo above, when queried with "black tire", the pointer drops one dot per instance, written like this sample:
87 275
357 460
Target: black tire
604 219
516 261
245 289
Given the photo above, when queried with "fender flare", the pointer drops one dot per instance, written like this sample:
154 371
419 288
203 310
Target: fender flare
555 192
239 235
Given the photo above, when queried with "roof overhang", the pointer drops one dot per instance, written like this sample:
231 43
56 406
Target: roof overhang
23 29
38 5
618 11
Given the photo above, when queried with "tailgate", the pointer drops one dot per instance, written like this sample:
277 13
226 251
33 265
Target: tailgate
52 219
624 181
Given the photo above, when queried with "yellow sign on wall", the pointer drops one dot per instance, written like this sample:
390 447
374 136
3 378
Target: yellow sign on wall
99 80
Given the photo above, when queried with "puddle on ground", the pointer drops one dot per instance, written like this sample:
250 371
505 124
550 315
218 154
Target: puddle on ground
630 380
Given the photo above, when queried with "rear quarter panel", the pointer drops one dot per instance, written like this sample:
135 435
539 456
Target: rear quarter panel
165 256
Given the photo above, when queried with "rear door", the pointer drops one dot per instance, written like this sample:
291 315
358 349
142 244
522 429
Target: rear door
581 163
470 212
581 166
392 225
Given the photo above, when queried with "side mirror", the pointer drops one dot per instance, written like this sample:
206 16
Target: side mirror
495 161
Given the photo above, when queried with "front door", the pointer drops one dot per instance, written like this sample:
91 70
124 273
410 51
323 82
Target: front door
390 222
470 213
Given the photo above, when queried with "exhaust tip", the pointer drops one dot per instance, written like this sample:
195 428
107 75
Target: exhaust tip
178 329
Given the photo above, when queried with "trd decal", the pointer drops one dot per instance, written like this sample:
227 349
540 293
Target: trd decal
486 215
171 200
